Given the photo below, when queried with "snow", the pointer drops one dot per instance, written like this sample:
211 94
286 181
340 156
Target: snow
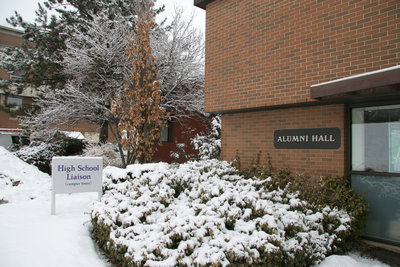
209 146
74 134
32 183
30 236
350 260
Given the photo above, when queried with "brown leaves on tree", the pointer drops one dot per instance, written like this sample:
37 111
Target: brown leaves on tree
138 107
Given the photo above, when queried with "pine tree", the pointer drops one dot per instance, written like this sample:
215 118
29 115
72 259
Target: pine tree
40 59
139 106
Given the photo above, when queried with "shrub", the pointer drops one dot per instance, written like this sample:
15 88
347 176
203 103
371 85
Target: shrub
335 192
40 152
209 146
205 213
181 153
107 151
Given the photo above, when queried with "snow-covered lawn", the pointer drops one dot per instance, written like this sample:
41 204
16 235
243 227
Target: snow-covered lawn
30 236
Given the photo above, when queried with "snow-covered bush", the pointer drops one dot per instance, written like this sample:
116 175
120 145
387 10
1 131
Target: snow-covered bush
321 191
204 213
209 146
181 153
107 151
40 154
41 151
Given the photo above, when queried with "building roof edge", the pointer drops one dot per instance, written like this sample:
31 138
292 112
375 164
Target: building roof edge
12 31
202 3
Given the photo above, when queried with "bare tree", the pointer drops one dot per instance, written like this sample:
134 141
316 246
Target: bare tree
96 66
98 69
180 61
96 63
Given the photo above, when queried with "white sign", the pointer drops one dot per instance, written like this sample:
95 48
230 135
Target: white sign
76 174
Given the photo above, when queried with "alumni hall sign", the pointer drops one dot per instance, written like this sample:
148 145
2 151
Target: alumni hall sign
315 138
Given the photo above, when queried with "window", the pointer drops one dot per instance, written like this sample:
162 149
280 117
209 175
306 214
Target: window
15 102
17 75
376 139
375 163
15 139
167 132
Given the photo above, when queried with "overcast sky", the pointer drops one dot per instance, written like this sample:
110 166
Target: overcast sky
27 9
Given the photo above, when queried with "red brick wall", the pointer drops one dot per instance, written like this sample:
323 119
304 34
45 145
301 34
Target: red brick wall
182 133
6 121
4 74
261 52
10 38
247 134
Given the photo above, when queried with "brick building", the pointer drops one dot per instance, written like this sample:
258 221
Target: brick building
314 84
9 125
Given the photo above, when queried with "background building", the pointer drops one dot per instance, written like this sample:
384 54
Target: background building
12 104
315 85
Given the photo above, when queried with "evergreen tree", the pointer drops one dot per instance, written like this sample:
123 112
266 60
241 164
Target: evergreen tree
40 59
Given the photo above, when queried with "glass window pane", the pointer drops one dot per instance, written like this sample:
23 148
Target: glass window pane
376 139
382 194
166 133
14 101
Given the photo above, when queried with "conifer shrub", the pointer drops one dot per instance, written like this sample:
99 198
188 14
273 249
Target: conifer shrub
207 213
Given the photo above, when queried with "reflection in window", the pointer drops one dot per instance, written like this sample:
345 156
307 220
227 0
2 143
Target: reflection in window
376 139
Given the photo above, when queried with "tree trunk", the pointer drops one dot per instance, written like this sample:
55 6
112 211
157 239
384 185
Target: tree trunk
121 153
103 132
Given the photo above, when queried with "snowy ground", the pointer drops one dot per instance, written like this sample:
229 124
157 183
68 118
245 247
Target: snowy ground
30 236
